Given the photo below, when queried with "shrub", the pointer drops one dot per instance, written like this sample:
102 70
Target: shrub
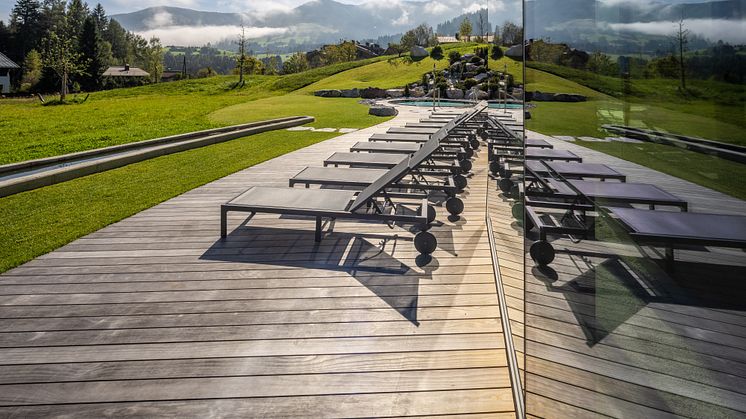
475 59
469 83
436 53
497 53
406 91
454 56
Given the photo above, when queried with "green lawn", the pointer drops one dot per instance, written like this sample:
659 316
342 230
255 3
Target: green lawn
29 130
700 117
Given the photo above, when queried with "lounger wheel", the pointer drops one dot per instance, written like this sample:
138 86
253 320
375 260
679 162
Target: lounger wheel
455 206
542 253
431 214
460 182
506 173
474 143
460 156
425 242
505 185
517 210
494 167
466 165
469 153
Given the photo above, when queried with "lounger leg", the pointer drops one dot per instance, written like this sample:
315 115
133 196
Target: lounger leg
223 222
318 229
669 259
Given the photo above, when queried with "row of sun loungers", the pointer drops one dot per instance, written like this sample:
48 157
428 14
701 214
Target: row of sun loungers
559 191
405 163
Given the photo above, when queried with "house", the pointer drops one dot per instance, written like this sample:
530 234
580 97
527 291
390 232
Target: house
126 71
169 75
6 64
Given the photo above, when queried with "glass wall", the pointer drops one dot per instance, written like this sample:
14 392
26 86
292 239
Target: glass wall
633 198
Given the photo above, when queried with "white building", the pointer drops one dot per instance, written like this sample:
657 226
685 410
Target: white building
5 66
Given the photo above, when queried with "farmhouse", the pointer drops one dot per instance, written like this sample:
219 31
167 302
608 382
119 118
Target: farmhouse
125 71
6 64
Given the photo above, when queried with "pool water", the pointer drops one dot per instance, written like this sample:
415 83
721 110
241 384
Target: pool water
455 104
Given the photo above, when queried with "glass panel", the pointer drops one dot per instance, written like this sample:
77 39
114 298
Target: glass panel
635 264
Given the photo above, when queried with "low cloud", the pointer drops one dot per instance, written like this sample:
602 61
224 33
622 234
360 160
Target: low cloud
733 31
160 19
201 35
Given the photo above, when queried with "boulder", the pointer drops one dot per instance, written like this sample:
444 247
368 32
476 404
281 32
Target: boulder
373 93
481 76
328 93
418 52
380 110
350 92
515 52
471 68
456 66
569 97
395 93
418 91
467 57
454 94
476 94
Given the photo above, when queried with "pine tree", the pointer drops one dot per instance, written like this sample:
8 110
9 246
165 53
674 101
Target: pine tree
90 48
53 15
24 23
31 70
77 12
99 15
117 37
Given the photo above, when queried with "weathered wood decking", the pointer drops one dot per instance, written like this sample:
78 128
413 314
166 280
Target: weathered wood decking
154 316
601 342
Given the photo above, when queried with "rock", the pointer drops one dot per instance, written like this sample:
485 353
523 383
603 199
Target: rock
373 93
467 57
418 91
471 68
481 76
516 52
350 92
418 52
476 94
569 97
456 66
328 93
382 110
395 93
454 94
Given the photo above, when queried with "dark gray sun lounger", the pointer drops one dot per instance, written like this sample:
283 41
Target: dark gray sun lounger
387 161
576 170
336 204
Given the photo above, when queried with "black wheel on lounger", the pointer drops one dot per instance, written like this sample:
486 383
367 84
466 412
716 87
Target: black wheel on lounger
469 153
495 167
460 156
431 214
517 210
505 185
425 242
542 252
460 182
474 143
466 165
507 173
455 205
514 191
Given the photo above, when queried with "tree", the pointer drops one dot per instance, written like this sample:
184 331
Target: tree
117 37
241 57
32 67
408 40
99 16
254 66
422 35
454 56
25 21
61 56
154 59
91 48
297 63
77 12
436 53
512 34
682 39
465 29
496 52
397 48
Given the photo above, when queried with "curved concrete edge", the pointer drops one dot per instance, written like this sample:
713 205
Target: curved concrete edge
63 174
46 161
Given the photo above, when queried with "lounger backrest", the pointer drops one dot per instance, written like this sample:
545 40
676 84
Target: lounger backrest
392 175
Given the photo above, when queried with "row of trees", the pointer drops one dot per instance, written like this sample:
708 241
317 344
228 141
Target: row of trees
422 35
67 44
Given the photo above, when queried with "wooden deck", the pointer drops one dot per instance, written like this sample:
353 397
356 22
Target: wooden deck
154 316
602 342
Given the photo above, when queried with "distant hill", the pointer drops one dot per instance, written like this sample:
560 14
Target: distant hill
317 21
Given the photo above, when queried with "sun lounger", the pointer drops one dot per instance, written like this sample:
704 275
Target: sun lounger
387 161
336 204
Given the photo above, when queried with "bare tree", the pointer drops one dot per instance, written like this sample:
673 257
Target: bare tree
241 59
681 38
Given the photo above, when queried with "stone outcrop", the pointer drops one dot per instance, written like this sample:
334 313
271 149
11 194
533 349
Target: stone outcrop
418 52
476 94
373 93
554 97
418 91
379 110
350 92
395 93
455 94
328 93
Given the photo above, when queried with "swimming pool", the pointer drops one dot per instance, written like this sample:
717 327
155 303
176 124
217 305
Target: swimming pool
454 104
